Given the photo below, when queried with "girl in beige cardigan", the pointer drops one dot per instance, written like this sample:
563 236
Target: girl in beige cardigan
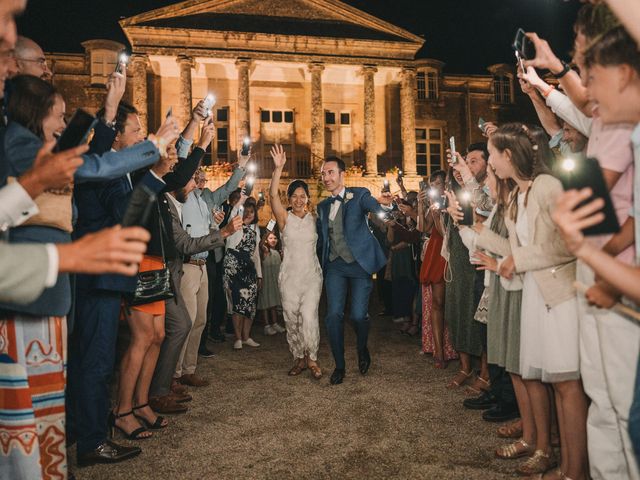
549 325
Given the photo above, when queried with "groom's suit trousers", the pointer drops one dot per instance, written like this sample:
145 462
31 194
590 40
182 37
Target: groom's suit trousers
341 277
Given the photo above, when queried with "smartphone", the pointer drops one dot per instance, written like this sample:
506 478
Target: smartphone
482 124
246 146
139 207
123 60
578 174
523 45
248 186
169 112
400 174
452 147
260 195
271 225
520 62
77 131
423 185
208 102
464 199
385 186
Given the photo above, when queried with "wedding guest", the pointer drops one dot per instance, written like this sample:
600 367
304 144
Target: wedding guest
269 296
243 272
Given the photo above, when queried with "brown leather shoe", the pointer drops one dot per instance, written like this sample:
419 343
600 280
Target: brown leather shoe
181 397
178 388
193 380
166 404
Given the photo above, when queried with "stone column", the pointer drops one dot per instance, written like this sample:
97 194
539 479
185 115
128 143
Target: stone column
317 117
183 110
408 120
371 156
243 65
139 63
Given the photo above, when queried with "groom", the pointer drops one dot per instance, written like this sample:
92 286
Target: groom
349 254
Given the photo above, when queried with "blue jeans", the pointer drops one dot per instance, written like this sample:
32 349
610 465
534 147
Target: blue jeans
338 278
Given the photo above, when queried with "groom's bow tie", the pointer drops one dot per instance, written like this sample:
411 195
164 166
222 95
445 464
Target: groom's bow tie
338 198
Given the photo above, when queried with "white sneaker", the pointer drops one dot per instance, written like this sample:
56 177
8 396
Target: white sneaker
251 342
269 330
400 319
237 345
278 328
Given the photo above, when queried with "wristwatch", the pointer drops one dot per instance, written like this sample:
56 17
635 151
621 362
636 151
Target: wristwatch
111 125
566 68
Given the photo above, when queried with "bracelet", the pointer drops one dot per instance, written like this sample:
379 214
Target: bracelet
548 91
111 124
565 69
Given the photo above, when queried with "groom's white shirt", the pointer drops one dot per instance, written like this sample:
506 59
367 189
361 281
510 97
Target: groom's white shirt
335 206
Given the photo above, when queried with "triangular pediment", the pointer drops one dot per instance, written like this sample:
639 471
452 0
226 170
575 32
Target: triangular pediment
314 18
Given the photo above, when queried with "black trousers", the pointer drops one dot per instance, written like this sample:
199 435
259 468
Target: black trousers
217 305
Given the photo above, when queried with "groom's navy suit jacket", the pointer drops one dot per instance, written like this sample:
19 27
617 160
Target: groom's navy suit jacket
366 250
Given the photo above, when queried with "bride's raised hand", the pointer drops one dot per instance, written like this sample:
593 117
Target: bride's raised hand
279 156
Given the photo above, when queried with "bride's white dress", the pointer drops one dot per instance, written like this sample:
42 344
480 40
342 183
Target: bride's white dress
300 282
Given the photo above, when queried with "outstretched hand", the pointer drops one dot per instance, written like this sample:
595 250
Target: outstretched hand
279 156
571 219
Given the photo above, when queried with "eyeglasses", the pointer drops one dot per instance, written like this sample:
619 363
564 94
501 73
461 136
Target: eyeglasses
40 61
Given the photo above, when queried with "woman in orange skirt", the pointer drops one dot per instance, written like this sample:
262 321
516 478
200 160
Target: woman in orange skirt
435 335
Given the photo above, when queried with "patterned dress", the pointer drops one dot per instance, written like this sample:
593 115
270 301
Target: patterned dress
240 276
32 382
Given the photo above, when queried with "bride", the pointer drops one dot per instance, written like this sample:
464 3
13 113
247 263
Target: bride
300 278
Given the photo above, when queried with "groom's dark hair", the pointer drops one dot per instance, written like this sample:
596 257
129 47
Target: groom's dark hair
341 166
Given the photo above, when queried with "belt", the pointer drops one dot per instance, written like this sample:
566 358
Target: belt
197 261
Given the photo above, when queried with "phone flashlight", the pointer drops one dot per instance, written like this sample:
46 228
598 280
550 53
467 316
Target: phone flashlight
251 168
246 143
568 164
465 197
209 102
123 60
433 193
400 174
382 215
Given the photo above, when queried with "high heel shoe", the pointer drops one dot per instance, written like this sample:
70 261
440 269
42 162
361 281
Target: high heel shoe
159 424
135 435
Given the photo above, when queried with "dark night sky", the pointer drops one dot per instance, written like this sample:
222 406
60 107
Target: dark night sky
467 35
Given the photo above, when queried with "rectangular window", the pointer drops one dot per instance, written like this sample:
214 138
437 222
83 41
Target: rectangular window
265 116
502 89
428 150
329 118
103 64
222 115
432 86
345 119
288 117
276 116
223 144
422 86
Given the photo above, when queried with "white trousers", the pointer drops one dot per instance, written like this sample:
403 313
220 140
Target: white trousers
609 348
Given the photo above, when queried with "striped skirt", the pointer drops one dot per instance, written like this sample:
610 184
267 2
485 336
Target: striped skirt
32 410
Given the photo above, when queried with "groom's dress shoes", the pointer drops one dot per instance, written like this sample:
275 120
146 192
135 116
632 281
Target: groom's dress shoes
364 361
337 376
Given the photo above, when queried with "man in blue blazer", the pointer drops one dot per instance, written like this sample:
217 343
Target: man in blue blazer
349 255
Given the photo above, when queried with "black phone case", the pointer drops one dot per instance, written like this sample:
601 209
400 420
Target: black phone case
588 173
139 208
76 132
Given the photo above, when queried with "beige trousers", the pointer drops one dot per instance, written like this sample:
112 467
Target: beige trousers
194 289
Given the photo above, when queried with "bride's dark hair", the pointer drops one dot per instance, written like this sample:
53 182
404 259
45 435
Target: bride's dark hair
296 184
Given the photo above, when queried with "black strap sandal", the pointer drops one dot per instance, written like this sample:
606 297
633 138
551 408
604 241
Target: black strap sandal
159 424
137 434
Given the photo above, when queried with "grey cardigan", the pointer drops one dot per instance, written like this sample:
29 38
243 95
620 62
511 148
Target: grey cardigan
553 267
